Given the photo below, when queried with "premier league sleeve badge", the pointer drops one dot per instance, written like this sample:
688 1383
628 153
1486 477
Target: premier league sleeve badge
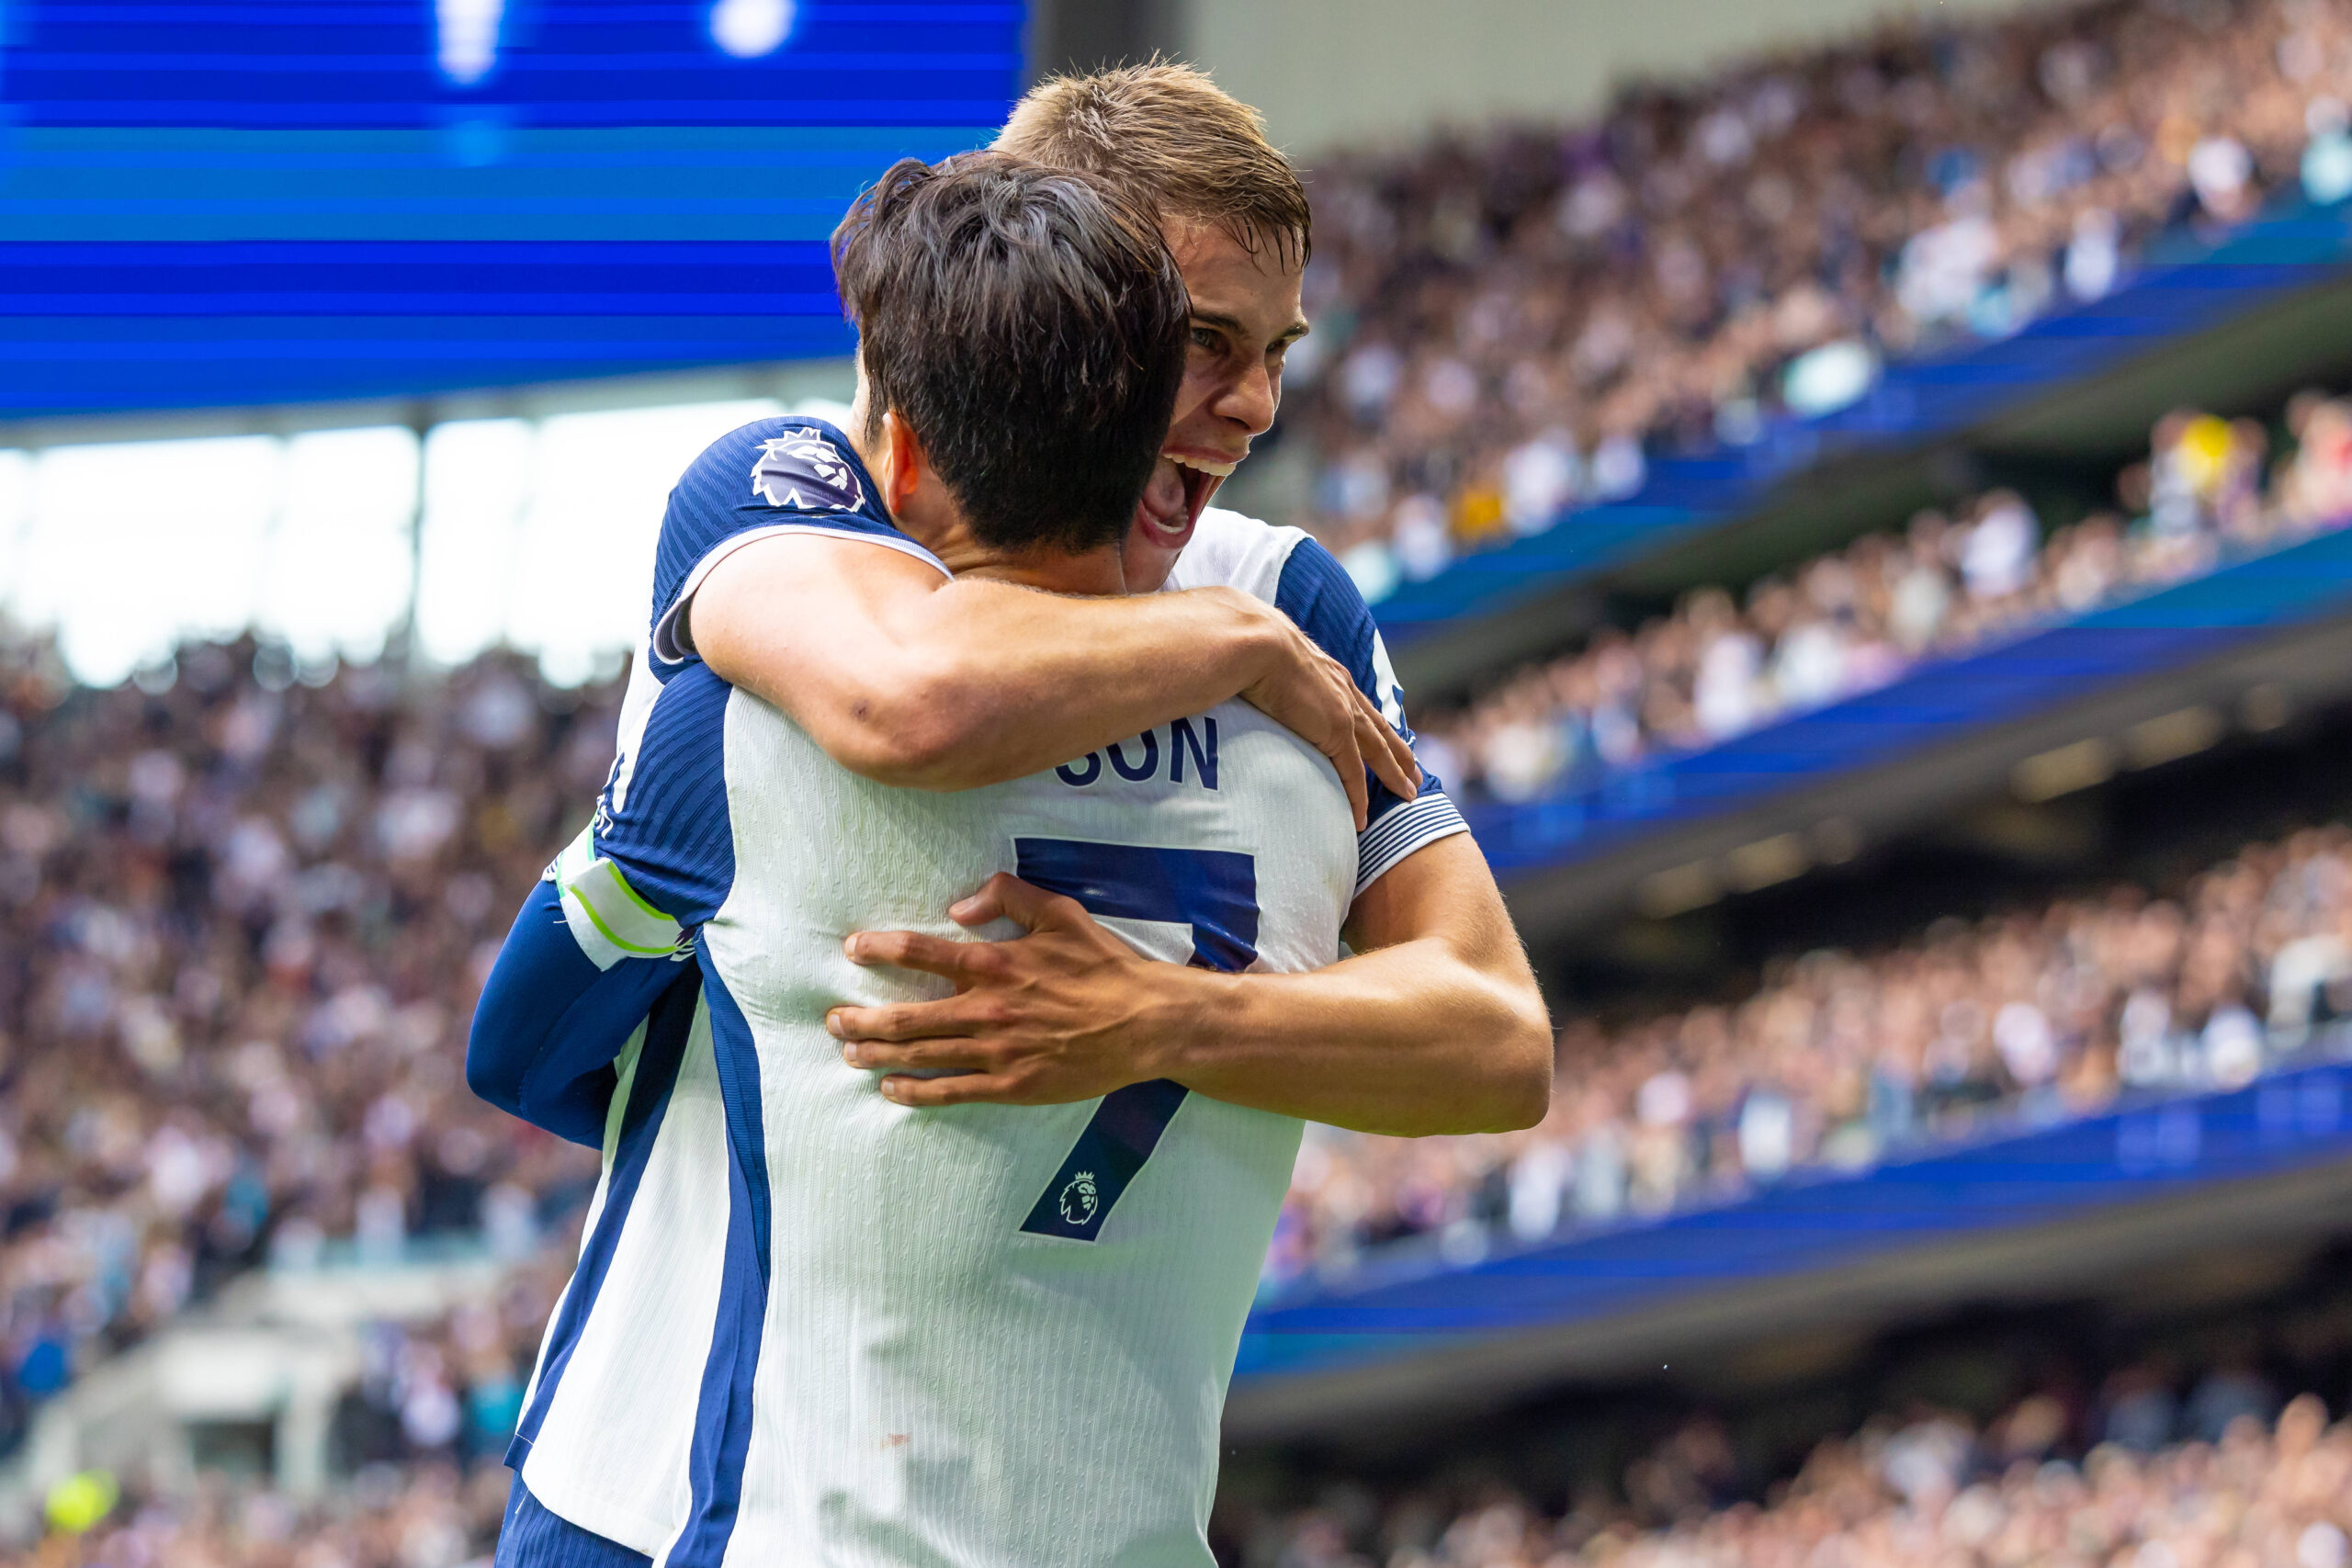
802 472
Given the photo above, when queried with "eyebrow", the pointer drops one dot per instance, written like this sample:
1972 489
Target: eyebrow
1292 334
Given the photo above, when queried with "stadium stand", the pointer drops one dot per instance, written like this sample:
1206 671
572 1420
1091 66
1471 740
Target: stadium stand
1851 622
2252 1483
244 907
1963 1030
1515 325
245 919
156 1150
420 1438
2146 1460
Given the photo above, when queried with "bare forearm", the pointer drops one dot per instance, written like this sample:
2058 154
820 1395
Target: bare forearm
909 679
1409 1041
1436 1026
951 686
1006 681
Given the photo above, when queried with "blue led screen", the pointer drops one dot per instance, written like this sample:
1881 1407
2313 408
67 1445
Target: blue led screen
208 202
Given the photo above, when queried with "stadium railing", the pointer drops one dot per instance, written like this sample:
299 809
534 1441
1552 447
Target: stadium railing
2021 1210
2054 709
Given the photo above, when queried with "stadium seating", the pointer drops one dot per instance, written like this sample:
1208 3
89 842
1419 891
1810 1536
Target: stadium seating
166 939
244 908
2251 1483
1857 619
1524 324
419 1443
2140 1464
1968 653
1959 1033
244 922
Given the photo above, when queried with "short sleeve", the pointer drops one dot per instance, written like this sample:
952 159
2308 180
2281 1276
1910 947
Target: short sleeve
772 477
1319 597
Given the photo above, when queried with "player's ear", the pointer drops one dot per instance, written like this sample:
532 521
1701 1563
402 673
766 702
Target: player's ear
902 462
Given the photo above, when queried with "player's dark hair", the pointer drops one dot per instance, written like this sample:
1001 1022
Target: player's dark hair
1029 325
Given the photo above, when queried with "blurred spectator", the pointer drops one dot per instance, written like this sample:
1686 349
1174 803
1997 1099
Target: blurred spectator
1503 323
1926 1488
428 1515
1850 622
1838 1060
421 1444
241 922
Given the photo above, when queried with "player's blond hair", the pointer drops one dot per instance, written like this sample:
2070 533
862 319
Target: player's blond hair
1173 139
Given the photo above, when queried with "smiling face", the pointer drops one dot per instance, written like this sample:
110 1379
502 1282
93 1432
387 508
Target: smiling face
1245 317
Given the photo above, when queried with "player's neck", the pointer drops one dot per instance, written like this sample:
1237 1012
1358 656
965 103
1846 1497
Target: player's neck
1092 574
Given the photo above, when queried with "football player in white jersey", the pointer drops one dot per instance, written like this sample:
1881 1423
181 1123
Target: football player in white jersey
810 1325
1435 1025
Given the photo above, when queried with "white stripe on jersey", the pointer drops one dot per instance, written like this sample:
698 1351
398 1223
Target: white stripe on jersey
606 915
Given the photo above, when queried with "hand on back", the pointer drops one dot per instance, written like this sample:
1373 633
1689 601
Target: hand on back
1311 694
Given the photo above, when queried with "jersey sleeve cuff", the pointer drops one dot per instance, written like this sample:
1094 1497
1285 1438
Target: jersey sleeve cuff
1424 820
670 650
605 915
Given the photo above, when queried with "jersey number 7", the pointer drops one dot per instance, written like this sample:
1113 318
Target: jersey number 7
1213 891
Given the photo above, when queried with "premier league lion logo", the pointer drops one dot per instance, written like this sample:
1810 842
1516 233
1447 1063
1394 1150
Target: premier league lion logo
805 473
1079 1199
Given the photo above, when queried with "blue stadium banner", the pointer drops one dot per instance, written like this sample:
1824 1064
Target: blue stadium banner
2149 1148
208 202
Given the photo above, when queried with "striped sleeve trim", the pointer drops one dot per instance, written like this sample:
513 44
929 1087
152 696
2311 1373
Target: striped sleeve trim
608 918
1420 821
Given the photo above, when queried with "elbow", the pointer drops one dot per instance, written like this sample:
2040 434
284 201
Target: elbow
1520 1095
1522 1085
918 756
1526 1098
492 1080
1497 1078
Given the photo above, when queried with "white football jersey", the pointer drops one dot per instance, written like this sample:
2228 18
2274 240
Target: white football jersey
811 1327
817 1327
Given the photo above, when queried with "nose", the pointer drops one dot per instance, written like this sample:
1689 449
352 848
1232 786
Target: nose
1250 400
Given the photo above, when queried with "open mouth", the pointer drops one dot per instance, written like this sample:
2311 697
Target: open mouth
1178 493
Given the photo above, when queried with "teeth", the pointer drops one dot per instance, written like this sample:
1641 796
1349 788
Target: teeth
1222 470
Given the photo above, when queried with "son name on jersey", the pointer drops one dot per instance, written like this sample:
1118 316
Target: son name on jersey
1136 761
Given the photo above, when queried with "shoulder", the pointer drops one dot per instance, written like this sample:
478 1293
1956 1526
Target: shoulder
1285 566
1290 569
783 474
1230 551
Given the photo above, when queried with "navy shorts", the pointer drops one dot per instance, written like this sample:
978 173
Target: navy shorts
534 1538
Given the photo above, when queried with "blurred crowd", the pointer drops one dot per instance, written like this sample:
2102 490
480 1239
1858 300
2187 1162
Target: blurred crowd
1504 326
2222 1479
1836 1059
419 1445
245 907
245 914
1853 620
450 1390
429 1514
244 911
